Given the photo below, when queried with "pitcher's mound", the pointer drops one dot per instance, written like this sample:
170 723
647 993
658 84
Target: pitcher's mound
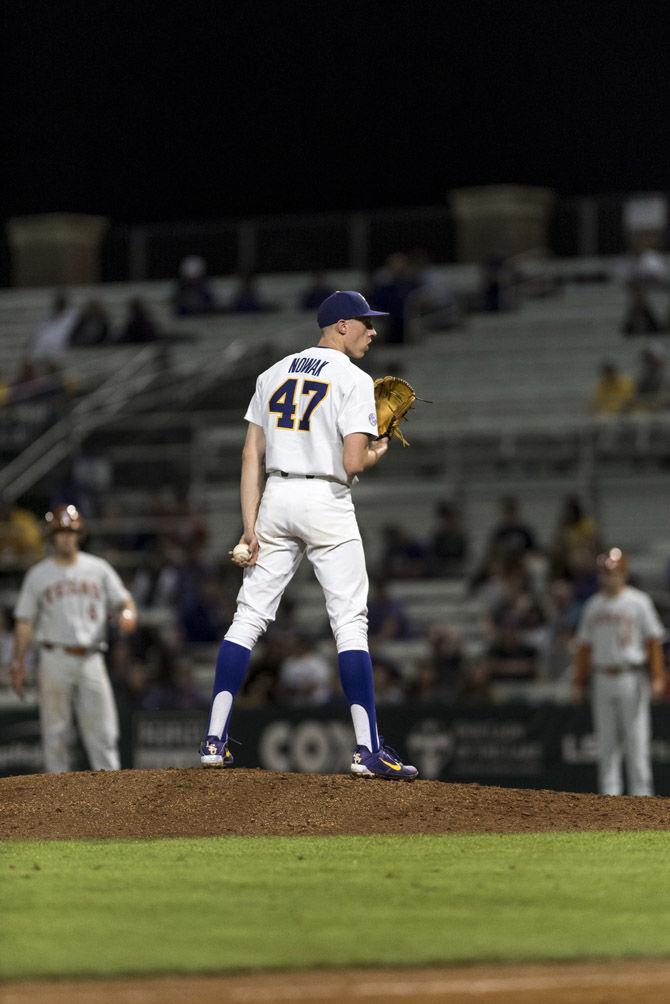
205 803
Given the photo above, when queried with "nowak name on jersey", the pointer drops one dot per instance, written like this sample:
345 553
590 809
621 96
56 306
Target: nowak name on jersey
304 364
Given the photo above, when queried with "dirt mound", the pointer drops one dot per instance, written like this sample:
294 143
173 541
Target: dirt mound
196 802
616 982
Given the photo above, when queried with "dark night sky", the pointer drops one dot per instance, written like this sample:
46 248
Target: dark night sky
217 109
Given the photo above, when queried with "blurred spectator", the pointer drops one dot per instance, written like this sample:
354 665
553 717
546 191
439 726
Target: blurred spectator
403 556
425 684
582 574
30 382
448 661
21 539
448 547
154 583
511 536
517 629
510 540
393 287
92 326
652 391
498 573
261 685
188 527
172 519
315 293
89 481
646 273
446 647
614 391
172 688
563 613
497 277
433 297
575 533
139 326
192 294
6 637
284 630
246 298
51 339
388 681
305 676
387 615
128 673
205 616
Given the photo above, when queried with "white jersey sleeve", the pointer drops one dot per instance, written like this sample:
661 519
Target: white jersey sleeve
255 411
651 625
115 591
28 599
358 413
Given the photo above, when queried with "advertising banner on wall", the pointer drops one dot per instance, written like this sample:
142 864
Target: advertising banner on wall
20 748
514 745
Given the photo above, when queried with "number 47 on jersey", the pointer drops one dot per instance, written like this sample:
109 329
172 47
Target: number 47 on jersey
285 403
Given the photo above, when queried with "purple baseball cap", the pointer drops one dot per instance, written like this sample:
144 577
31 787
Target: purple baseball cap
343 305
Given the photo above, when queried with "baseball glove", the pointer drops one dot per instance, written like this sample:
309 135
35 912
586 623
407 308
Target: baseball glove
393 399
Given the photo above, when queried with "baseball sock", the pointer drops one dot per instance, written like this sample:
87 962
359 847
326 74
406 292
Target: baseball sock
358 686
231 668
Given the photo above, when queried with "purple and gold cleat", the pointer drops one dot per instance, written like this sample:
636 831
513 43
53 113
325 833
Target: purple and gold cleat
385 763
214 752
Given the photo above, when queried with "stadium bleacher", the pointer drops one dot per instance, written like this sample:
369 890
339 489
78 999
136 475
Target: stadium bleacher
510 414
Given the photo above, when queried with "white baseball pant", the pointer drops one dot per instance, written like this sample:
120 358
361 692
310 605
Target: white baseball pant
299 516
81 685
621 707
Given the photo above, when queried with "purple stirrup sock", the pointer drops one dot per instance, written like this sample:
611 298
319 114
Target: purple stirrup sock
358 685
231 668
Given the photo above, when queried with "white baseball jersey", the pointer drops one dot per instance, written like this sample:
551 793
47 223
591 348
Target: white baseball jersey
306 404
69 604
618 628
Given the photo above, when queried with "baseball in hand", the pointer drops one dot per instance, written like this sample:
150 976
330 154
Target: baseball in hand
241 552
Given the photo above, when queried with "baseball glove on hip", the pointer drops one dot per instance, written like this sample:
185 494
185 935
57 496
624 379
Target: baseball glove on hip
393 399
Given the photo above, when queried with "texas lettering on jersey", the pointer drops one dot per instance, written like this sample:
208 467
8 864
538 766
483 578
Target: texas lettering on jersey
72 587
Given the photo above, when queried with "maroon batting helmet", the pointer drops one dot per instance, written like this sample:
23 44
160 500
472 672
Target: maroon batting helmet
613 560
64 517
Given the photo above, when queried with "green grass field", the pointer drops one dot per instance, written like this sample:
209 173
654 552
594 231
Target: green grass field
90 908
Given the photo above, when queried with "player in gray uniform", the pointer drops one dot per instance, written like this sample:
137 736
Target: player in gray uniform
619 645
312 428
63 606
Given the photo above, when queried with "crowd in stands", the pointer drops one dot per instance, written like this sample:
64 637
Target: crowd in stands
41 374
194 295
408 284
402 278
530 597
617 393
643 277
88 326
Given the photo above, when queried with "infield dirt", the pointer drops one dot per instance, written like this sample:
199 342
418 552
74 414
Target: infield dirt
201 803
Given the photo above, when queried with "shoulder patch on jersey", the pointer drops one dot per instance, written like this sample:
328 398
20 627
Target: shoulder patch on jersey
373 419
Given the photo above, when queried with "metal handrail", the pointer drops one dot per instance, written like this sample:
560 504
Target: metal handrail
128 390
62 438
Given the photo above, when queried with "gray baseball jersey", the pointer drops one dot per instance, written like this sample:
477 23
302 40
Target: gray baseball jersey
618 628
70 604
